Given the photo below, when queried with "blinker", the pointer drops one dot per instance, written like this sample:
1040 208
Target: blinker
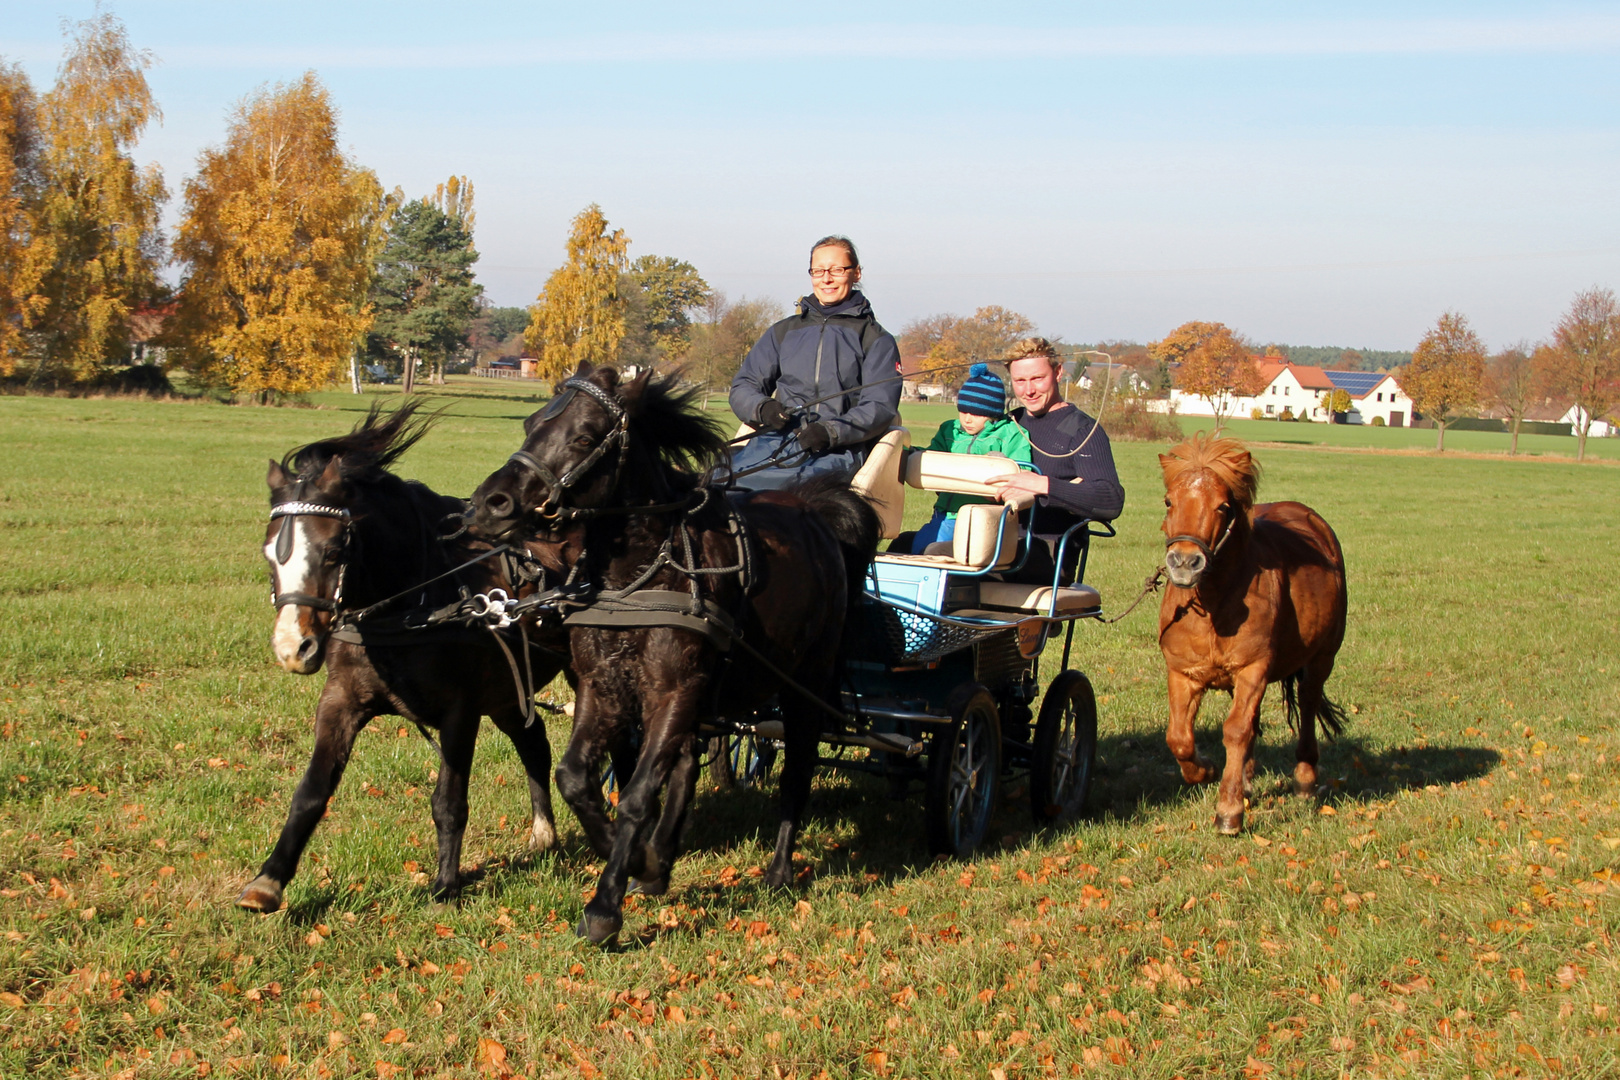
558 405
284 542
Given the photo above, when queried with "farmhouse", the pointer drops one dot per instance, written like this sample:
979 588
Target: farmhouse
1373 394
1304 390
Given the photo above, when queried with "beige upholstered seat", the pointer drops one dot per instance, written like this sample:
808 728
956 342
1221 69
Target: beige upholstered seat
1036 599
880 482
977 527
960 474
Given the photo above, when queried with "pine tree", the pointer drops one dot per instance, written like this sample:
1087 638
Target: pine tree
424 294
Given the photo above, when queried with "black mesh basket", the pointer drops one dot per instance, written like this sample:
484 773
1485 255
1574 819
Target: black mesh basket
909 637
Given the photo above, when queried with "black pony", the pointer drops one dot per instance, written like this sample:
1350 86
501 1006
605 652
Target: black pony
346 533
704 605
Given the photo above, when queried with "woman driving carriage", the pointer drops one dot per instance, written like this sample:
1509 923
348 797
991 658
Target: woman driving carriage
1077 478
831 348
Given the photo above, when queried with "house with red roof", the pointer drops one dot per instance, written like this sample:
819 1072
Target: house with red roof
1304 390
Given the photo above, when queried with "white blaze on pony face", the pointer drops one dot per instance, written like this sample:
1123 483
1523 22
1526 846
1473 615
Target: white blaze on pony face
294 624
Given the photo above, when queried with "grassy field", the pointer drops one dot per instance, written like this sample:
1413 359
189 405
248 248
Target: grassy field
1448 910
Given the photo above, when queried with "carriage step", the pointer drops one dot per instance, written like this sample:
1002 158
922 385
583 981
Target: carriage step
885 741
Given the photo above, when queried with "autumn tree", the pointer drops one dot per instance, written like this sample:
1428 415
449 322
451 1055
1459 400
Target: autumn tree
423 292
1446 372
1584 365
1174 346
953 342
24 250
1218 369
278 240
660 293
722 336
1512 385
98 209
579 315
496 331
1339 402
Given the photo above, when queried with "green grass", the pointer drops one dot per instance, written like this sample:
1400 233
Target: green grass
1447 911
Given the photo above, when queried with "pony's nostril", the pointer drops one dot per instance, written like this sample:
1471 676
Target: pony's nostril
498 505
307 648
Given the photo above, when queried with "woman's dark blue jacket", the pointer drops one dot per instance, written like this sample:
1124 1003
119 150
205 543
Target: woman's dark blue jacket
818 352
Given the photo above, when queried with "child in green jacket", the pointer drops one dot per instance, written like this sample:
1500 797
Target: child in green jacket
981 427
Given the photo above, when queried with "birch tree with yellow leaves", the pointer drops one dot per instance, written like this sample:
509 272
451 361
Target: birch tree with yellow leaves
280 234
24 252
99 245
579 315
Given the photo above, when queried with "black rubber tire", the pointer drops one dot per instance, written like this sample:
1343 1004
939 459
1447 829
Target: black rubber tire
1065 749
964 774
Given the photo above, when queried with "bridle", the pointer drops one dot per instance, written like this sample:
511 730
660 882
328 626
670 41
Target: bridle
284 543
552 511
1209 552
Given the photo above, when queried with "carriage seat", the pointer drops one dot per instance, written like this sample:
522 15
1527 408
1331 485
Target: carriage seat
1037 599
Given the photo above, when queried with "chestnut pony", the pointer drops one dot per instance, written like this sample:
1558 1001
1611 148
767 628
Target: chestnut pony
607 491
345 533
1256 596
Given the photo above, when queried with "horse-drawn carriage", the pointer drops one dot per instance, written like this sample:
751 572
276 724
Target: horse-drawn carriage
942 663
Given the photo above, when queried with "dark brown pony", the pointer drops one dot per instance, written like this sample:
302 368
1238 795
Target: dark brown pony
345 533
1256 596
607 490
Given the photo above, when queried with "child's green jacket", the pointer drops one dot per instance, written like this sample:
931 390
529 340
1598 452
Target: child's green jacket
1002 436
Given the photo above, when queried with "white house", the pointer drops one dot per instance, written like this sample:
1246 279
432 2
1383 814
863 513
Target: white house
1576 416
1298 388
1374 394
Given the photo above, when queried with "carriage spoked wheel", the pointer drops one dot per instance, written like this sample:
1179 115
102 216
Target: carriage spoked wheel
964 773
741 761
1065 751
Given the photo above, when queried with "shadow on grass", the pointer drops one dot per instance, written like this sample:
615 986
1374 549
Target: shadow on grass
856 835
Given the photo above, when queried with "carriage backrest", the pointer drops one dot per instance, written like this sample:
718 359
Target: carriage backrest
961 474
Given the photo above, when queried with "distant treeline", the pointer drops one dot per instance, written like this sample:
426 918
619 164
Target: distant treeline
1135 354
1332 356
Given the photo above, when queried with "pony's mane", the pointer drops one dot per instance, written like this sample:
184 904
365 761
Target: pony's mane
670 424
1228 459
366 452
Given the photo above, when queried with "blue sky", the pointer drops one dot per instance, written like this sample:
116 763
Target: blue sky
1306 173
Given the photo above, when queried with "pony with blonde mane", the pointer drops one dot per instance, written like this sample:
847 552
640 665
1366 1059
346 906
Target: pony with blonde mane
1256 596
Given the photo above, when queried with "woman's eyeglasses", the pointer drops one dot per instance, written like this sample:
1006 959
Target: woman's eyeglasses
836 273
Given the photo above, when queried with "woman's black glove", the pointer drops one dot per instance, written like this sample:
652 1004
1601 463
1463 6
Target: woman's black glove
815 437
772 416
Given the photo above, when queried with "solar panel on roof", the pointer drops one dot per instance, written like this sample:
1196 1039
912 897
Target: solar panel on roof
1355 383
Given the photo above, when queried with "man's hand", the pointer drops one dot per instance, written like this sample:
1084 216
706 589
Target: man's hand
1014 483
815 437
772 416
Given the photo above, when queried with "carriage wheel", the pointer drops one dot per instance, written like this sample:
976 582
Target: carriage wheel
740 761
1065 749
964 773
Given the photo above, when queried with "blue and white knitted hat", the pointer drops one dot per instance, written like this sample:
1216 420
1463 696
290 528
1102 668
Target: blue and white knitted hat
983 393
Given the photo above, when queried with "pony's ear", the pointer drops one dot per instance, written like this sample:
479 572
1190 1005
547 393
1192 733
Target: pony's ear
1165 460
277 477
332 476
630 393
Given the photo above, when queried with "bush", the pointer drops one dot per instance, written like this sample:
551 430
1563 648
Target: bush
1378 421
147 380
1257 413
1287 413
1128 419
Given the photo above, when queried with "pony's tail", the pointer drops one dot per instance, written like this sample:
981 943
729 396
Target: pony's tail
853 522
1331 715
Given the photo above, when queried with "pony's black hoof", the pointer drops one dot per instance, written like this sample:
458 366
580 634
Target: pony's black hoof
599 929
263 894
649 886
1229 824
778 878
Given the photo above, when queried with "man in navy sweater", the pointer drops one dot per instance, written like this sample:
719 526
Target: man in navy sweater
1077 478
